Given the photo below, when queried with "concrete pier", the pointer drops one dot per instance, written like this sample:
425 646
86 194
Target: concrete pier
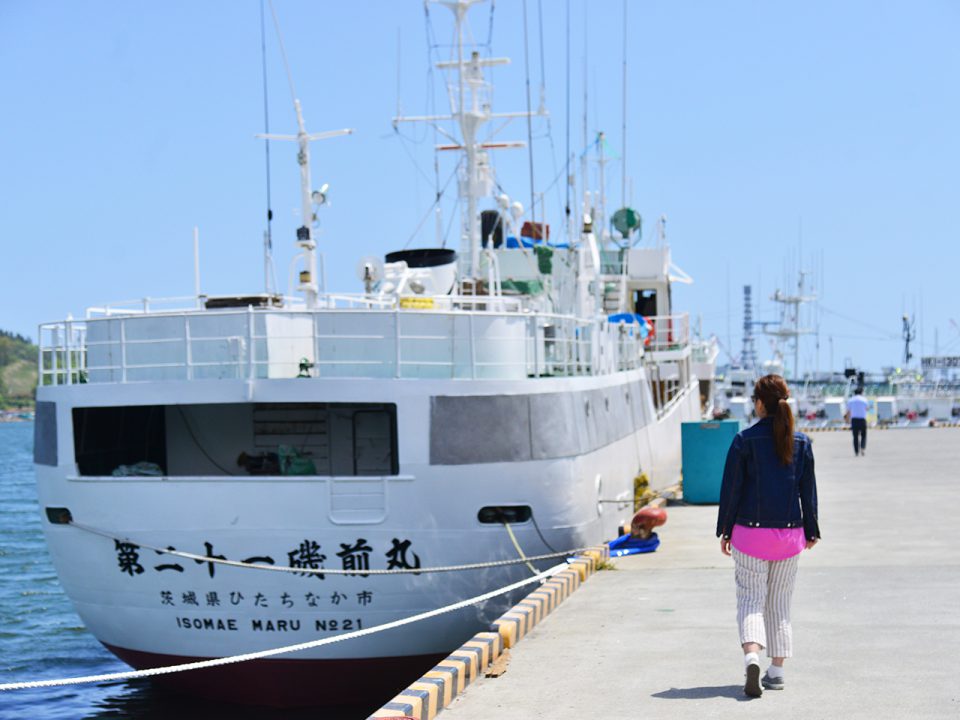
876 614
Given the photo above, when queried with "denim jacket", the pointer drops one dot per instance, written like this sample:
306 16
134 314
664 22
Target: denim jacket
760 491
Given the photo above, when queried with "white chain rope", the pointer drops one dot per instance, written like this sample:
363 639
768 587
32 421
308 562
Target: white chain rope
215 662
325 571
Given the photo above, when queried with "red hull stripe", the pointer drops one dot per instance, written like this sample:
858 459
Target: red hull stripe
287 682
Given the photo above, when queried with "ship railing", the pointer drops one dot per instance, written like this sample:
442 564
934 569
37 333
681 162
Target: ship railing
670 332
704 350
146 305
259 343
667 385
668 361
325 301
62 355
674 396
700 354
484 303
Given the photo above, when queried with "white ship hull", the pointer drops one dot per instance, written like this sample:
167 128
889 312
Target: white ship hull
512 380
153 609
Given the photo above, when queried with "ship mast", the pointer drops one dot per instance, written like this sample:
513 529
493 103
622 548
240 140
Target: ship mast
790 329
470 109
469 122
308 200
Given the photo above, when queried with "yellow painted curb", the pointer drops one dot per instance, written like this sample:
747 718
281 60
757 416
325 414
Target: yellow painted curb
846 428
426 697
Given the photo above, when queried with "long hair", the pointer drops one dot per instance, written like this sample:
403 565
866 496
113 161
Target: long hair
772 392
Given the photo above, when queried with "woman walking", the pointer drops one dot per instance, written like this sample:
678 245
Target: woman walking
767 517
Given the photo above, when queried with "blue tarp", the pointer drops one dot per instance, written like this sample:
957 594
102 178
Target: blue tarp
512 243
629 319
629 545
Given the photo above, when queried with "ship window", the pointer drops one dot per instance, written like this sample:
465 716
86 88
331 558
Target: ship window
645 302
374 440
337 439
238 439
120 439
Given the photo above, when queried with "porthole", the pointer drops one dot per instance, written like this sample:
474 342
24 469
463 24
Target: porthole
504 513
59 515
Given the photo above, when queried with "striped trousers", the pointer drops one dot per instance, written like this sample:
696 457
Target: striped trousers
764 592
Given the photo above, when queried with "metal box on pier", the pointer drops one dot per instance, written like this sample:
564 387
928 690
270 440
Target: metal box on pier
704 452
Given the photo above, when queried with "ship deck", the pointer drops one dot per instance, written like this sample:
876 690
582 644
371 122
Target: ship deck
875 621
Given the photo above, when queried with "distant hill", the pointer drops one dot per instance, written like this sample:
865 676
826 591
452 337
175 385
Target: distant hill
18 370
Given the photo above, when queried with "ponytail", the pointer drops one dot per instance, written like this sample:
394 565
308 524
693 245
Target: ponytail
772 391
783 432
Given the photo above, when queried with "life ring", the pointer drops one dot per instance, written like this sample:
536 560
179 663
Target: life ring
651 331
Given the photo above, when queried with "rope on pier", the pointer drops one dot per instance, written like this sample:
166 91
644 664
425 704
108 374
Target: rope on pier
216 662
513 539
326 571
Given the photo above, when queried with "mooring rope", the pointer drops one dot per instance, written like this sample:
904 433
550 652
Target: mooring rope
216 662
326 571
513 539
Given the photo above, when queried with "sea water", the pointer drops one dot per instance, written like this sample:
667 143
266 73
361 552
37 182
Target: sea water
41 637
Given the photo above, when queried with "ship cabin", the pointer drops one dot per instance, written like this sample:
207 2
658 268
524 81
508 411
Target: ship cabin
162 361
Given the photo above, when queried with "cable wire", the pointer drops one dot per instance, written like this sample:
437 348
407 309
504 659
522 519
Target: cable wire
432 207
283 51
216 662
493 6
526 60
885 332
199 446
543 110
542 538
513 539
266 123
567 209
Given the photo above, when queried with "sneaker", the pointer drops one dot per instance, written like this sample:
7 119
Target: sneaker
771 683
752 686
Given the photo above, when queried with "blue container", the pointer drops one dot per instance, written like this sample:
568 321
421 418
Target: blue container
704 448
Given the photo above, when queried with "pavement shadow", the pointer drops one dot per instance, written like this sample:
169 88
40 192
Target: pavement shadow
734 692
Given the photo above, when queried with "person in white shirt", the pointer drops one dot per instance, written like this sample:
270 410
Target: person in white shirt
857 412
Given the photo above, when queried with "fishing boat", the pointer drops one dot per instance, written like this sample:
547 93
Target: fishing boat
461 408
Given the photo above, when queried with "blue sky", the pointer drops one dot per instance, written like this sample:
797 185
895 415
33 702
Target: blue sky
764 131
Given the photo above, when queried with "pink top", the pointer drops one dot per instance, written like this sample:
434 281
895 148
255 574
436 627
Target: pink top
768 543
